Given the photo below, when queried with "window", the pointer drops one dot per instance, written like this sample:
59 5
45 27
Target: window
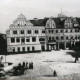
67 37
15 32
33 39
13 49
23 40
61 31
22 31
27 40
23 48
49 31
18 49
49 38
75 37
71 37
29 31
25 25
18 24
57 38
71 30
17 40
78 37
41 39
52 31
61 37
76 30
36 31
43 31
52 38
12 40
33 48
56 31
66 30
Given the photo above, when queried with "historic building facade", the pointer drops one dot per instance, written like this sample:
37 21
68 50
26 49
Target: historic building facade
23 36
42 34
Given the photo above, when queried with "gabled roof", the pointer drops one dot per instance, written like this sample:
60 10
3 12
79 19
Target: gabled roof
42 22
39 22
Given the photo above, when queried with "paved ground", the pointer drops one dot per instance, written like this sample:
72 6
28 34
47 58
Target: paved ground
44 65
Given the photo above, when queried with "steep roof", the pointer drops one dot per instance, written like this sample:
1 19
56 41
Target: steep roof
42 22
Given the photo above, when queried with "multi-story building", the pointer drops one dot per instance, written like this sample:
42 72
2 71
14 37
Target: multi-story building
23 36
42 34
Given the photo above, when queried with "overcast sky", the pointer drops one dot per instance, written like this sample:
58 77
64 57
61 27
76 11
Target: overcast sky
10 9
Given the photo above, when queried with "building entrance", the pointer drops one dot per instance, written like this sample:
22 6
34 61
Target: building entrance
43 48
18 49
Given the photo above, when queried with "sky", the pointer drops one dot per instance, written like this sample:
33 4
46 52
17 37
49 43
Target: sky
10 9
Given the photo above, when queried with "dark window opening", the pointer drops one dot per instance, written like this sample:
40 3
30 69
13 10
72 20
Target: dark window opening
33 39
18 49
49 31
27 40
33 48
71 37
61 31
52 38
23 40
49 38
57 38
52 31
18 24
23 49
25 24
17 40
22 31
28 48
56 31
29 31
75 37
67 37
41 39
12 40
43 31
71 30
15 32
66 30
13 49
62 37
36 31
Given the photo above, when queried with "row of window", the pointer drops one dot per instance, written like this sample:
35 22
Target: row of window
29 31
52 31
67 37
23 40
24 49
27 39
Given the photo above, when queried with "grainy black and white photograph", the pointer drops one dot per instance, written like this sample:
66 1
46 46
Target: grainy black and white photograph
39 39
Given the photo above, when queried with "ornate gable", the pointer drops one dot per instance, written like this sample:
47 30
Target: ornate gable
50 23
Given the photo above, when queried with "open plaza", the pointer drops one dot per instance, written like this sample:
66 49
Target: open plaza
44 64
